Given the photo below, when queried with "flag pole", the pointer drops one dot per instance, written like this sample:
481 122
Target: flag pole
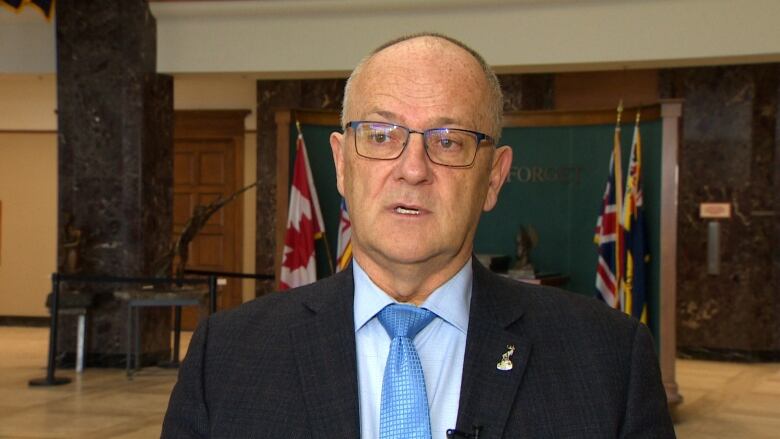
618 164
322 235
327 249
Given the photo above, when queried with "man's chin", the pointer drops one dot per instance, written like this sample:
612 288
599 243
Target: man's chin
399 254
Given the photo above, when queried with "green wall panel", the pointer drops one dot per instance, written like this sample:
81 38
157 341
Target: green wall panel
556 184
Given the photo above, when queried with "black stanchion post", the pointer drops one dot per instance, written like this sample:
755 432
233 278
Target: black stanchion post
212 294
50 379
177 335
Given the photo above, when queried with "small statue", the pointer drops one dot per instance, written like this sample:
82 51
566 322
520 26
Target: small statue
526 240
71 247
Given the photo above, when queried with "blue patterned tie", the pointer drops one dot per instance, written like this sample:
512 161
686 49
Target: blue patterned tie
404 409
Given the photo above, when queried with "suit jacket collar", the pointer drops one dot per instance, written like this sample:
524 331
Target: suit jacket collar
326 359
495 327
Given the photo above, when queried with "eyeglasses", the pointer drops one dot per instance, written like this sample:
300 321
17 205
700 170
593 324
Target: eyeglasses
451 147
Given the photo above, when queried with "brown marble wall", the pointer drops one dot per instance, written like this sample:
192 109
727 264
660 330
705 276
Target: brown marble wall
528 92
728 153
776 258
521 92
115 163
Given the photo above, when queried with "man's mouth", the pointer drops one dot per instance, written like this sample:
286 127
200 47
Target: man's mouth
407 210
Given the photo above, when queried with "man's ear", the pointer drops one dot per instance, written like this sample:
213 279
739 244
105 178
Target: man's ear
502 161
336 147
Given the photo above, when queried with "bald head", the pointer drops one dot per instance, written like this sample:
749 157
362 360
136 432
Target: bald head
429 49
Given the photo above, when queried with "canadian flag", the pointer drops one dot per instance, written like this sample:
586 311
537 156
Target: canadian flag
304 225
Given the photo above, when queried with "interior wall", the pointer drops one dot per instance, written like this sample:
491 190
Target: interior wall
28 192
229 92
513 35
28 102
308 38
28 246
604 89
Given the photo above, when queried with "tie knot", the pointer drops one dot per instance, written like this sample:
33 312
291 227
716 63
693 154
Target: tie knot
404 320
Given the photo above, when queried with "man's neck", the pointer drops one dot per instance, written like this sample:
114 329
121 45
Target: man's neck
410 283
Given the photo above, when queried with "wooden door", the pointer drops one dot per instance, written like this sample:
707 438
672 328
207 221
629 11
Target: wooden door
208 152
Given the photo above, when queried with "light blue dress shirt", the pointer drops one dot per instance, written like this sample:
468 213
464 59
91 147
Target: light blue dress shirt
441 346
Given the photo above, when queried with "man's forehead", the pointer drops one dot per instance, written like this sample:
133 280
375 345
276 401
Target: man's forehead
423 80
419 66
421 47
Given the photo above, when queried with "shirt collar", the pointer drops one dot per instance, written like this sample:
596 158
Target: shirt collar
450 302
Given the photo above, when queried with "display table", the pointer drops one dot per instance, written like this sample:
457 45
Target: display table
139 298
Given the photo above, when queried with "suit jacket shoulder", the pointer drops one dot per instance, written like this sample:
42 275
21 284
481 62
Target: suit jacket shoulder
279 366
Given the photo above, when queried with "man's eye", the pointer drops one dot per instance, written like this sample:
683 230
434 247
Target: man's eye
449 144
378 137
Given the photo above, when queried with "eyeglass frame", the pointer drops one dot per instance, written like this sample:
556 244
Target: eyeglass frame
479 136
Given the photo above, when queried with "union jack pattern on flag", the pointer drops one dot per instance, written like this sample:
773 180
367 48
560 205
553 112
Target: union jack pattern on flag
304 225
634 286
344 247
609 236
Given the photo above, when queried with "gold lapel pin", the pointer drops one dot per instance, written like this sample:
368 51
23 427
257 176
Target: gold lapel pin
506 358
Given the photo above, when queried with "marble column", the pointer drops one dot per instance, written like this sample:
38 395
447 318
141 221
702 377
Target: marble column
323 94
776 190
526 92
115 164
729 153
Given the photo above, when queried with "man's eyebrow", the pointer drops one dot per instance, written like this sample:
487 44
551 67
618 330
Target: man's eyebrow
445 121
438 122
389 115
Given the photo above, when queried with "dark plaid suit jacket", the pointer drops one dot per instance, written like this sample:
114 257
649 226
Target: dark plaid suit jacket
284 366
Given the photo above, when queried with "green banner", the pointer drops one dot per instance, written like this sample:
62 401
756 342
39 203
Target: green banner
556 186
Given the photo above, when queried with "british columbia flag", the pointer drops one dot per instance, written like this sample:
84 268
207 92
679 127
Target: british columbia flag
634 291
344 247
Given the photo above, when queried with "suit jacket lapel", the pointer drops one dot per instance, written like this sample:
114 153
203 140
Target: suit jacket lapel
326 360
488 393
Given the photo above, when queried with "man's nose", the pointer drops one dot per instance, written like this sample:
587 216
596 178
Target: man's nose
414 166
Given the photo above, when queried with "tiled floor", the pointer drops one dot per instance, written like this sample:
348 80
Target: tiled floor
722 400
728 400
100 403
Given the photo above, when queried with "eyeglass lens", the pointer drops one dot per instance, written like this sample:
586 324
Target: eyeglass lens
444 146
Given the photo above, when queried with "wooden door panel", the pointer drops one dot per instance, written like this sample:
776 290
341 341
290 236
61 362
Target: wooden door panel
183 165
207 166
212 168
183 206
208 252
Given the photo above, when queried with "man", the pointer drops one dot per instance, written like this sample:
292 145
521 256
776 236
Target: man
417 163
